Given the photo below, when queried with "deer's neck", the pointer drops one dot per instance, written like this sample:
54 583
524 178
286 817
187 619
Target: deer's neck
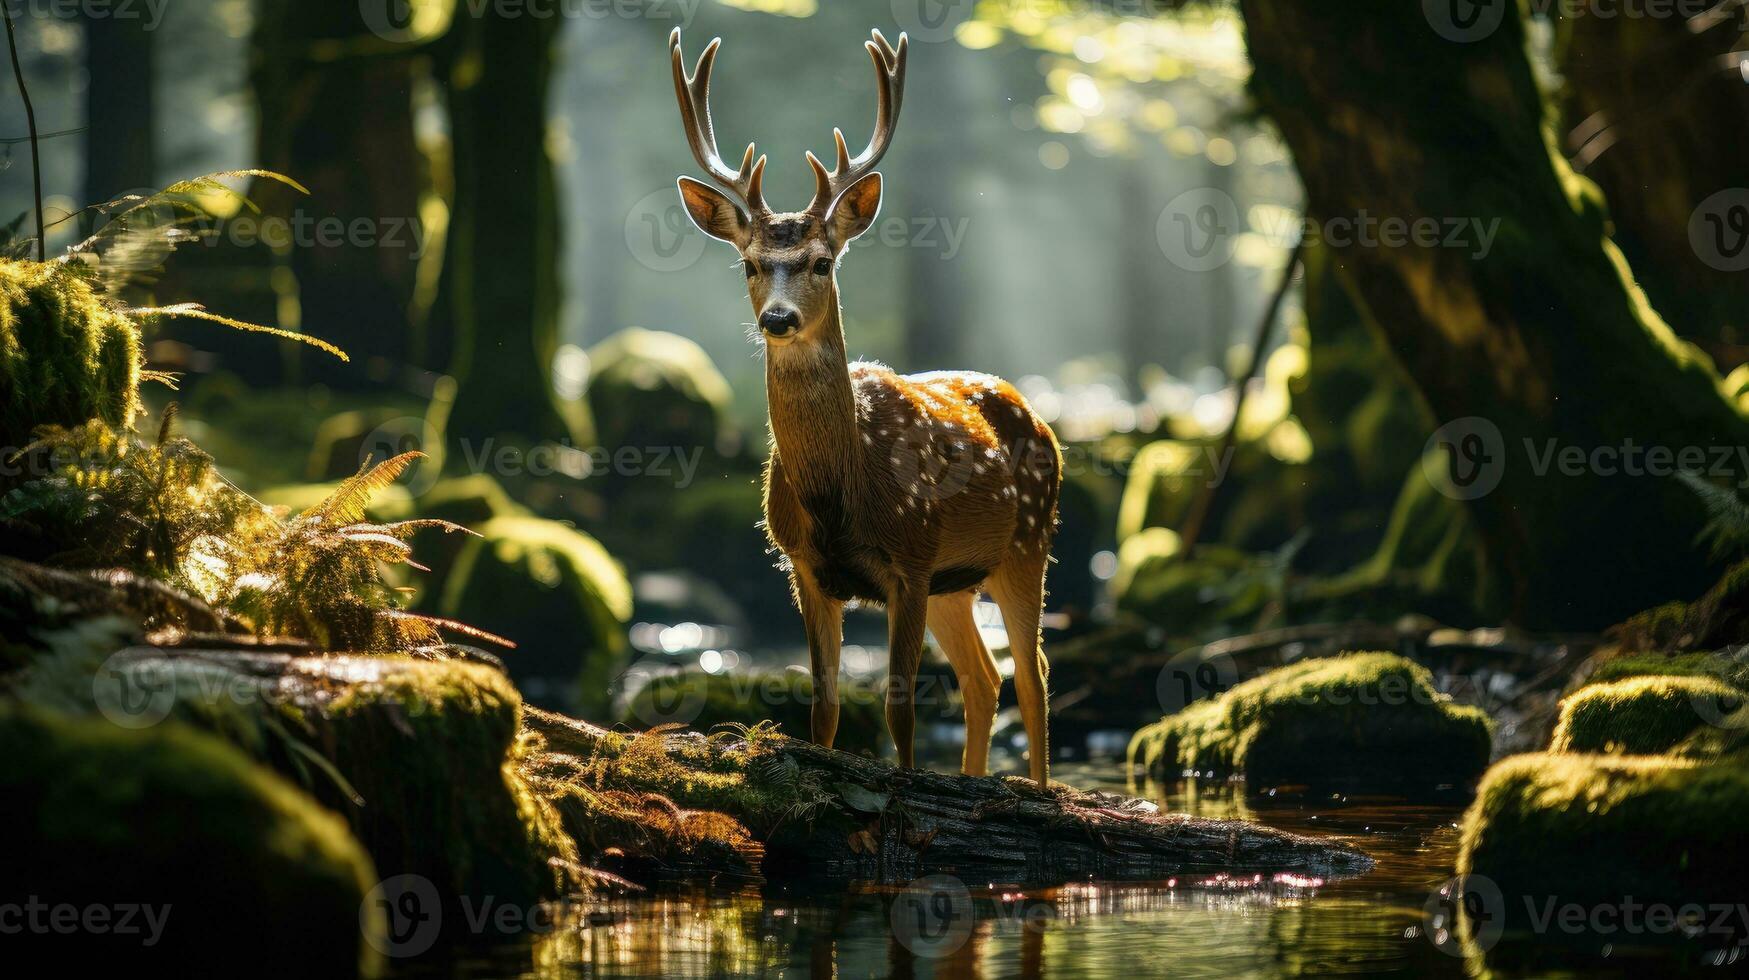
813 414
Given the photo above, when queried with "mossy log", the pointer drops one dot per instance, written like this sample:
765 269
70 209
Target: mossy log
1389 121
824 814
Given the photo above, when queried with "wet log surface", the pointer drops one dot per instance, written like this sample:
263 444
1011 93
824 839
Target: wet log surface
894 825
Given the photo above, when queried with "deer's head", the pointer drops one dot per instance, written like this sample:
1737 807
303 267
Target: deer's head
790 258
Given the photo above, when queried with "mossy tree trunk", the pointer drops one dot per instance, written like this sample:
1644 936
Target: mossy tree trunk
1645 102
120 120
1541 333
501 272
335 105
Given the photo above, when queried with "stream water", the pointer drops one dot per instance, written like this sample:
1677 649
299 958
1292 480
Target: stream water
1373 925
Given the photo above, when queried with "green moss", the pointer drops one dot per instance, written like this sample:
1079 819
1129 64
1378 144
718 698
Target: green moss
554 591
1599 831
252 870
1718 619
1360 720
432 750
66 356
1640 715
651 389
783 697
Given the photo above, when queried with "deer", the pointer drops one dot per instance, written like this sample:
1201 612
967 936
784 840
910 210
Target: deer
912 492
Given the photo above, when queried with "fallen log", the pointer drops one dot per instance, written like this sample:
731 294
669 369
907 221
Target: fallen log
823 814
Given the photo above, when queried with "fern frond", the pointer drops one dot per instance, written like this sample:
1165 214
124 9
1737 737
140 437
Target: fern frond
1727 526
197 312
450 625
346 505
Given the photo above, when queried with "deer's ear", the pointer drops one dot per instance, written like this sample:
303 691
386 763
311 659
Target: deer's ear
713 212
856 209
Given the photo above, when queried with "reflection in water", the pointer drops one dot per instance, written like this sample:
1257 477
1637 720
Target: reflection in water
1197 926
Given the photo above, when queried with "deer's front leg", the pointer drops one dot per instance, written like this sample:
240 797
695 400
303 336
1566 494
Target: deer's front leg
907 615
823 618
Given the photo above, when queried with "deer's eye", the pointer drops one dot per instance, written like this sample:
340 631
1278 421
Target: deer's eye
748 267
822 267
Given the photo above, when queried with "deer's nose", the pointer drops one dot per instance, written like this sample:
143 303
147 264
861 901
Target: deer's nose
780 321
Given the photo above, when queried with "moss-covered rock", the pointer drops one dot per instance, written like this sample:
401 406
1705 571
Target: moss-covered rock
650 389
1641 715
238 870
1361 720
1718 619
66 356
747 698
1607 832
420 756
555 592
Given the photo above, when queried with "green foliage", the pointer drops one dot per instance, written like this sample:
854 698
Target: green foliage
1641 715
1359 720
108 500
168 816
66 355
162 510
1727 527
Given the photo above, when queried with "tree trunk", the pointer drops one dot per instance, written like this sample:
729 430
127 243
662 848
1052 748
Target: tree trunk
1645 101
1537 331
502 273
120 119
337 116
893 825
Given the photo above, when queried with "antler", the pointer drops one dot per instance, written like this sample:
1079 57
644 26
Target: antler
694 93
889 65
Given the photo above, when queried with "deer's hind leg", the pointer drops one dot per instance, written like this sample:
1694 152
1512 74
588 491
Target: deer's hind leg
951 622
1018 586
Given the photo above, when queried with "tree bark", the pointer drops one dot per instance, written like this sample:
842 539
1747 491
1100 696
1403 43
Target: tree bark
501 272
1538 330
984 828
121 125
1647 102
